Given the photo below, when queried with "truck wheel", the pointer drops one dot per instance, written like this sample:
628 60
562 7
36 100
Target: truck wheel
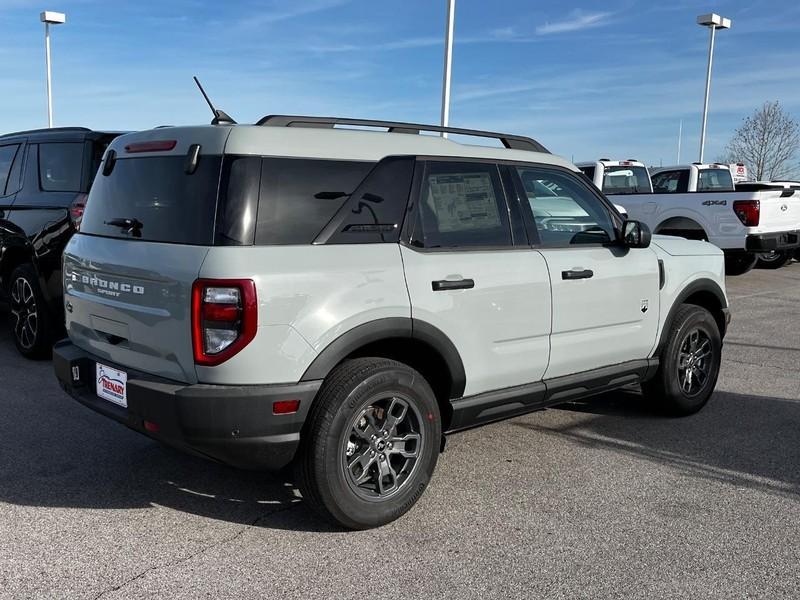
29 317
739 263
773 260
689 363
371 443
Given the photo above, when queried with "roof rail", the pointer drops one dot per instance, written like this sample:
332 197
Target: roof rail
46 130
515 142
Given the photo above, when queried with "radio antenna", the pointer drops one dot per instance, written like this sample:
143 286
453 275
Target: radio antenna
220 116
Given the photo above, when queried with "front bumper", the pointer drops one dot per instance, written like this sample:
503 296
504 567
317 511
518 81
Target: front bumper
229 424
779 240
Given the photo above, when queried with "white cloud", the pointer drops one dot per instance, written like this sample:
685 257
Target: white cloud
576 21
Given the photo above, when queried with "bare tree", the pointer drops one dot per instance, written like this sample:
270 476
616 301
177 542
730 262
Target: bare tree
767 142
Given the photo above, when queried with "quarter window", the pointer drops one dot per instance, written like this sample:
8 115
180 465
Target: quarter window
565 211
299 196
462 205
7 154
60 166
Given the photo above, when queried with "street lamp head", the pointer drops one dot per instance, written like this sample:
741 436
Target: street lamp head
52 18
714 20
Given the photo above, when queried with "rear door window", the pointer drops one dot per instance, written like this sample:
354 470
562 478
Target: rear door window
8 155
170 204
462 205
714 180
626 180
671 182
300 196
60 166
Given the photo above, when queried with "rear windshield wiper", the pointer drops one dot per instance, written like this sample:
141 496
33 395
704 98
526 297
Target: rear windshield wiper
132 226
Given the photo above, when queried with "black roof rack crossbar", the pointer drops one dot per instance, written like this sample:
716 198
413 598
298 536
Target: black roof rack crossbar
46 130
517 142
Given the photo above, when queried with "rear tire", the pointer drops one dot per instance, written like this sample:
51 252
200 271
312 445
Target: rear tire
29 317
773 260
689 363
371 443
739 263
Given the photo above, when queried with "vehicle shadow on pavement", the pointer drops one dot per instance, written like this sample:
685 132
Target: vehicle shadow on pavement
747 441
57 453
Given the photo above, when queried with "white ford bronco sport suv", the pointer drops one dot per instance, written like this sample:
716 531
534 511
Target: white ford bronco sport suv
297 292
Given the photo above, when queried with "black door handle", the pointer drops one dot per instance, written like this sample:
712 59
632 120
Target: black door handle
452 284
574 274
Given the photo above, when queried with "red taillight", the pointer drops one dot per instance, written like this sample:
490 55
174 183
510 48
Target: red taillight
224 318
748 211
285 407
152 146
76 210
151 427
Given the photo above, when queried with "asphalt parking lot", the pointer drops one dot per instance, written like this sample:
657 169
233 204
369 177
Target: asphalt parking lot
600 499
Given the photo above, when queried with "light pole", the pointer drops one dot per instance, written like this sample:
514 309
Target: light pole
713 22
49 17
448 62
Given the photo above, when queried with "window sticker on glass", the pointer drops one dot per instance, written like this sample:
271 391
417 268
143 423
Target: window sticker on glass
464 201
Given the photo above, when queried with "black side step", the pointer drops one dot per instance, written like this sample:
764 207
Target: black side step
514 401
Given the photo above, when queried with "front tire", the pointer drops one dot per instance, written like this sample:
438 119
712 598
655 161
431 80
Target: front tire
371 443
29 317
773 260
689 363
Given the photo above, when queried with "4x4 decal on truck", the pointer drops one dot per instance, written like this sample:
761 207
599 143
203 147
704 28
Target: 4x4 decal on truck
715 203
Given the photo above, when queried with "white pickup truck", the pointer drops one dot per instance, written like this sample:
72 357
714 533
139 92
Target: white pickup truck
700 201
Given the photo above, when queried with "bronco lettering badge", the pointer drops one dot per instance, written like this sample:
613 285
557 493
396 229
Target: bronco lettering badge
107 287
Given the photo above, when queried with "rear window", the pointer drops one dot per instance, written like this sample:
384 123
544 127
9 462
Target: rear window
588 171
714 180
626 180
171 205
60 166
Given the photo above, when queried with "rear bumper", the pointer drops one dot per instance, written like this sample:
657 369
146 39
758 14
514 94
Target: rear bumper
779 240
229 424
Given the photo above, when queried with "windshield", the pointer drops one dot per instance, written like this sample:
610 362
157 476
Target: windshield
626 180
714 179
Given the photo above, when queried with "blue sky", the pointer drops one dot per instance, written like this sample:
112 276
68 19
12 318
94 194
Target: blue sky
587 79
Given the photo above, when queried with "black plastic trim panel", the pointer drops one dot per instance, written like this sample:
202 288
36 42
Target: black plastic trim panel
386 329
511 402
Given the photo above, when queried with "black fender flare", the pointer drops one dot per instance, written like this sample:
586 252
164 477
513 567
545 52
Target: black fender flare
385 329
699 285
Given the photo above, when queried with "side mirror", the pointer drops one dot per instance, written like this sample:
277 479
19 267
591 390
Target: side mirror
635 234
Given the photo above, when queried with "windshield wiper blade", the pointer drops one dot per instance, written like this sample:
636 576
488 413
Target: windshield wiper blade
132 226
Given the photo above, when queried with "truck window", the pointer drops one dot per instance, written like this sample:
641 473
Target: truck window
588 171
671 182
626 180
714 180
60 166
7 154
